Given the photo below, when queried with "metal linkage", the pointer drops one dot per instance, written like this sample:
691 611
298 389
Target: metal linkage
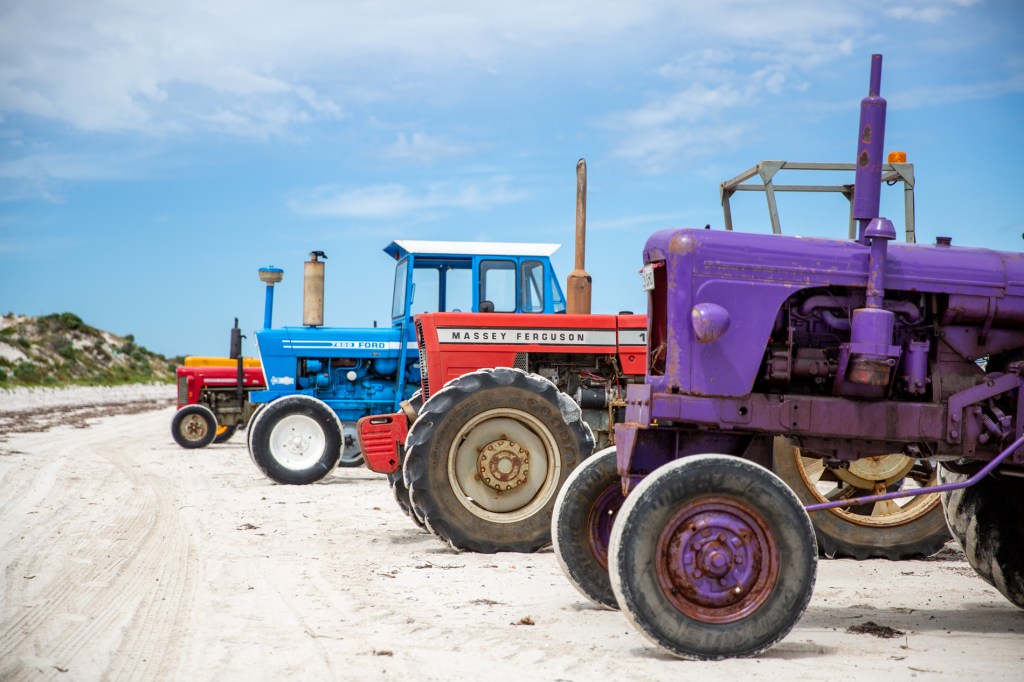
985 471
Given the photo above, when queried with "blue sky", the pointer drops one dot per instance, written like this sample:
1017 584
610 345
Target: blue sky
156 154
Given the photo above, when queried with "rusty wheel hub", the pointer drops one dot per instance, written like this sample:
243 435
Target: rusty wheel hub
194 426
717 560
503 464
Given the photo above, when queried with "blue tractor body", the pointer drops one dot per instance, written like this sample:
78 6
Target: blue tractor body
361 371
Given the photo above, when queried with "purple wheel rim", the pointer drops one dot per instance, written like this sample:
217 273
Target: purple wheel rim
717 560
600 519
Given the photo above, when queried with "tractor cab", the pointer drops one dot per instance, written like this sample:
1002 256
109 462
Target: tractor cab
435 276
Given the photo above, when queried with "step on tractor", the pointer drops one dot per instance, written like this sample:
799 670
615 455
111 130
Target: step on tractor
213 396
320 380
847 350
592 368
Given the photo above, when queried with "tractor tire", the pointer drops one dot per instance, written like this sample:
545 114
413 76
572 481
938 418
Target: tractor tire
194 426
249 427
713 557
585 511
401 494
486 458
296 440
884 530
224 433
985 519
396 479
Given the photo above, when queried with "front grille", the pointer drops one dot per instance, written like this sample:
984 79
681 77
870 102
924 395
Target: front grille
182 390
422 346
522 362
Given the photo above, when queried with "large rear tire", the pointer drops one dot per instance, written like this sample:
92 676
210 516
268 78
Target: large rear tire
194 426
713 557
296 440
585 511
987 519
401 494
892 529
487 456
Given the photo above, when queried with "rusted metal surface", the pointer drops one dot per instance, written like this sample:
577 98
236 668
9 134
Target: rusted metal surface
579 285
503 464
717 560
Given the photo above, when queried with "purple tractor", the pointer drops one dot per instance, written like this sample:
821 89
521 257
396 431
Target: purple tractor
845 349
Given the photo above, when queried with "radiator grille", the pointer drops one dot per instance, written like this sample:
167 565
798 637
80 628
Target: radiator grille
522 362
182 390
423 361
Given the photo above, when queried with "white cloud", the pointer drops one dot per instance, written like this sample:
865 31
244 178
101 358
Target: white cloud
167 66
391 201
928 11
419 146
939 95
926 15
629 223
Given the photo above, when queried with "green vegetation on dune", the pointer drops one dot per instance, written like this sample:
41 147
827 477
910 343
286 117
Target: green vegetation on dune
60 349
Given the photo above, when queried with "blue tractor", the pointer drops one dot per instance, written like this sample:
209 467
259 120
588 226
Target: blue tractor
321 380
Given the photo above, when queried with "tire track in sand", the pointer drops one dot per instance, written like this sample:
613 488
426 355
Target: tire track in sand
132 547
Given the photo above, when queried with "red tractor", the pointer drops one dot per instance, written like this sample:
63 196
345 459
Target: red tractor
213 396
510 405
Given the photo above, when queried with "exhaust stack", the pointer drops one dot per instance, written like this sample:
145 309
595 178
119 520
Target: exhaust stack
579 284
313 290
870 144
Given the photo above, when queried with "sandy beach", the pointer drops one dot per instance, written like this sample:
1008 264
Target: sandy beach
128 558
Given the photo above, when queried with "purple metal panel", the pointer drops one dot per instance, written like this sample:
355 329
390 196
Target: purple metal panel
751 275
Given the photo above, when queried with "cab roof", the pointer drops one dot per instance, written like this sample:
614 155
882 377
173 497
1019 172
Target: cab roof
403 247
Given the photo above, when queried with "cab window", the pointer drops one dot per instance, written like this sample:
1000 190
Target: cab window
398 299
426 292
458 289
532 277
498 284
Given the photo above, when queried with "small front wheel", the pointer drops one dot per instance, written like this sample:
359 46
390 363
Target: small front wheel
194 426
585 510
296 440
713 557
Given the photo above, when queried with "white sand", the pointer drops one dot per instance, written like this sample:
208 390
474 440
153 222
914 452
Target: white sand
126 557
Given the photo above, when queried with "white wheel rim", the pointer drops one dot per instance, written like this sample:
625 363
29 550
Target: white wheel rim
528 497
297 442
